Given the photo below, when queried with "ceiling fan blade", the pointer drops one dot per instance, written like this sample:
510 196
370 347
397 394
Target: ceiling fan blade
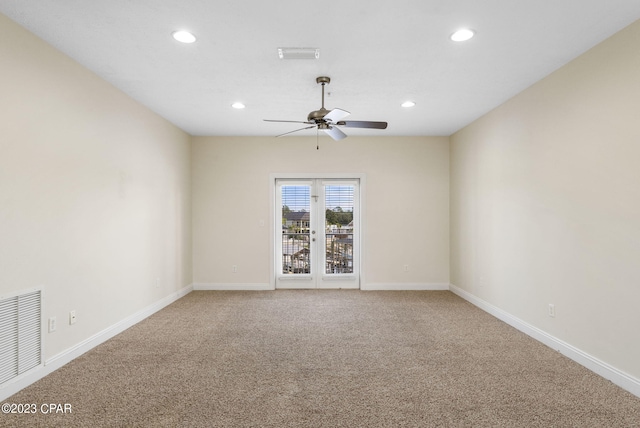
287 121
335 115
335 133
301 129
363 124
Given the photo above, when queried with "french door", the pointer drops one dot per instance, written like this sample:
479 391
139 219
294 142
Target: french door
317 233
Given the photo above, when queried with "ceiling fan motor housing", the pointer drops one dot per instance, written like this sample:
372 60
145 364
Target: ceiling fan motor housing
317 116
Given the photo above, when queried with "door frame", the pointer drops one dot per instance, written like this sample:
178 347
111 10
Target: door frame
275 231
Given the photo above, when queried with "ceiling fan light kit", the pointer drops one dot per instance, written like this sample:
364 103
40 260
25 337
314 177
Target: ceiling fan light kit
298 53
329 120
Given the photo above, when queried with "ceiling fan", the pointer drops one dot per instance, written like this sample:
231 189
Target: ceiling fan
329 120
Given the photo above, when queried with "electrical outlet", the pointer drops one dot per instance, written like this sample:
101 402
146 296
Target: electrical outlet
234 268
406 268
157 282
552 310
72 317
53 324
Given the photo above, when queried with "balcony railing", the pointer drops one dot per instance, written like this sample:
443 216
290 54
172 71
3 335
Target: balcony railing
339 253
296 255
295 252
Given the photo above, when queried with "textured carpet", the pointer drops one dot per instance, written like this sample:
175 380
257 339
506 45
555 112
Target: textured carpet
325 359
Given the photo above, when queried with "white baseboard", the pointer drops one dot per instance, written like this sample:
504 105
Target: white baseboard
370 286
227 287
59 360
623 380
400 286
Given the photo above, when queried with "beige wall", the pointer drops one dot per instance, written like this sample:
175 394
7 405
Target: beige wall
94 192
406 212
545 203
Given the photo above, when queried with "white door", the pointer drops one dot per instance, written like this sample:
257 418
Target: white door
317 233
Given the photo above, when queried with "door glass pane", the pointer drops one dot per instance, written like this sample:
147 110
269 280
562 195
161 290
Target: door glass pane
296 252
339 229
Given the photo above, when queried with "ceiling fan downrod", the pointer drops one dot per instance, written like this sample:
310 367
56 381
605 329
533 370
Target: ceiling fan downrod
317 116
323 80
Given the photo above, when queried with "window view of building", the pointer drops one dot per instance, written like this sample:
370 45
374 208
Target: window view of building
297 235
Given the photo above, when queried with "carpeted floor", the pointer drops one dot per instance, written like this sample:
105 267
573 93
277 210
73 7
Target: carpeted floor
325 359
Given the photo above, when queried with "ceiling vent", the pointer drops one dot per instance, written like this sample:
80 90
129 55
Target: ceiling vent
298 53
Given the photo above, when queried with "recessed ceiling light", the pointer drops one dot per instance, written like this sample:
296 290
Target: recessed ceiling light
238 105
462 35
408 104
184 36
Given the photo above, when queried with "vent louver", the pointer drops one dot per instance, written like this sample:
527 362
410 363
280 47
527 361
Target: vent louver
20 334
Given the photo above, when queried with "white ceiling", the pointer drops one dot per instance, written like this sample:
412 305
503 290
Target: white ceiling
377 53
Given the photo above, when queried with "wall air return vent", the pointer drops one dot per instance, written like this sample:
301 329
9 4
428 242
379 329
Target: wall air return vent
20 334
